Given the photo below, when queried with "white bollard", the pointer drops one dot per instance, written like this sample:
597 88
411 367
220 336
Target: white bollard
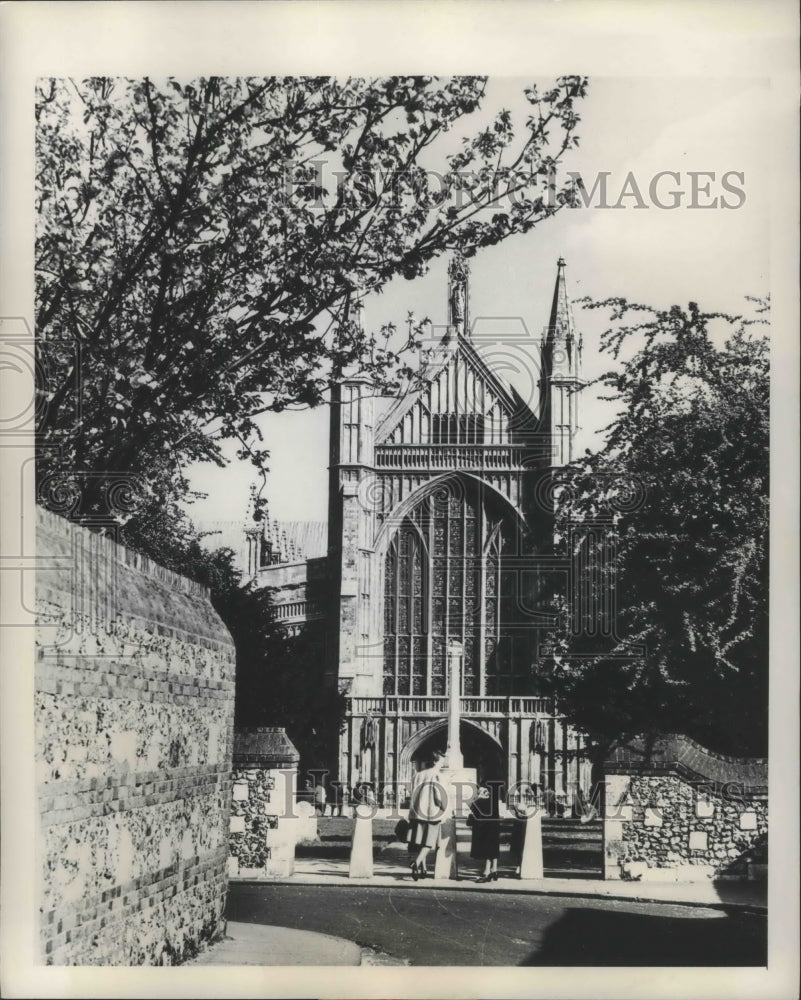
445 862
361 851
531 861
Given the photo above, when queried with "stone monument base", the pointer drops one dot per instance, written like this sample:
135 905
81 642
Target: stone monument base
461 784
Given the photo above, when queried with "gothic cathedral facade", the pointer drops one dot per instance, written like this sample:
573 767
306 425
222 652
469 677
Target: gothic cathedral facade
440 528
440 523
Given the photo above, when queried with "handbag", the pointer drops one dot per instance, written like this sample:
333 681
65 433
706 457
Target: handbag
402 830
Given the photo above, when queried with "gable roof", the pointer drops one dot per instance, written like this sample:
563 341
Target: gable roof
454 353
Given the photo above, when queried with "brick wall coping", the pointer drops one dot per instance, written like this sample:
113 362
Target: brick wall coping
676 753
123 554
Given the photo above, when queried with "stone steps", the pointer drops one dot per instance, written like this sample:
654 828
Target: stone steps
572 848
569 847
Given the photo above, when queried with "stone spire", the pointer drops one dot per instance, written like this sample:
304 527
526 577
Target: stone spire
269 544
357 307
560 380
563 348
254 531
254 511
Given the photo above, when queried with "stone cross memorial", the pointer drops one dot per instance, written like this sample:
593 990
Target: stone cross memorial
460 782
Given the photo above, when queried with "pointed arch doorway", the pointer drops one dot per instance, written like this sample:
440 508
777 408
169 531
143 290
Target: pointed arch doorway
480 750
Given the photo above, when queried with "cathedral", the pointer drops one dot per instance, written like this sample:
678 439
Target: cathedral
439 534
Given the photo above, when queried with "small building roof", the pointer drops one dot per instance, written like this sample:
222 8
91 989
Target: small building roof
266 746
306 539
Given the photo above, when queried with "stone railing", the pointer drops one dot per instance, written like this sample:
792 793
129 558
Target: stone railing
433 705
481 458
296 611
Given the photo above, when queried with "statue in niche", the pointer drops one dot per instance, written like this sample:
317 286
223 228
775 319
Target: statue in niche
458 272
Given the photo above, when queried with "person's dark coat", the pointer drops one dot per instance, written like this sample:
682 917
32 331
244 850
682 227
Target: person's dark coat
518 835
485 823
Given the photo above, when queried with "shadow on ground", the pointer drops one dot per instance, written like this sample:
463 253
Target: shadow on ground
586 937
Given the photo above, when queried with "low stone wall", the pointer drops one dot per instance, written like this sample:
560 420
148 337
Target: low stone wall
134 690
264 824
665 820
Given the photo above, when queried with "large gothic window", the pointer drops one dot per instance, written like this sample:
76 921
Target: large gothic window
404 631
445 579
508 648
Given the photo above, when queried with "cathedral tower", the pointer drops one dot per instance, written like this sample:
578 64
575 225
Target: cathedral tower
560 381
350 523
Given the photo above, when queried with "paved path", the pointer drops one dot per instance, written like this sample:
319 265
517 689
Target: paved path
262 944
426 924
391 868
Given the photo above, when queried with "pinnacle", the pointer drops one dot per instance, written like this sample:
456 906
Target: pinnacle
561 323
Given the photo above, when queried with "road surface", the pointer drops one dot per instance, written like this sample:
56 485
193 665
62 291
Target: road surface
422 925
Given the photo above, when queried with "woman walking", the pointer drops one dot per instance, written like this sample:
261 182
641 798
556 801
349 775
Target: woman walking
425 814
485 823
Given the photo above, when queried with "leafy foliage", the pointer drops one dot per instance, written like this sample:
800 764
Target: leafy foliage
668 524
205 244
281 678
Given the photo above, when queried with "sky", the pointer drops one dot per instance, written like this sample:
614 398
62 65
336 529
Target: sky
658 256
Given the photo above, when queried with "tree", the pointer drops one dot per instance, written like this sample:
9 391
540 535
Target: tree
204 245
669 520
281 678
